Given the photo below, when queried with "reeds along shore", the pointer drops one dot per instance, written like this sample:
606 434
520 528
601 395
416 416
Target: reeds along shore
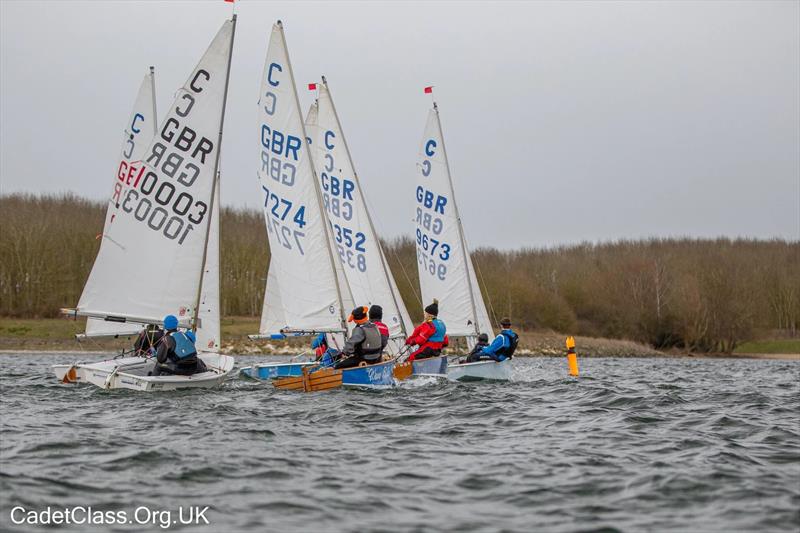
697 295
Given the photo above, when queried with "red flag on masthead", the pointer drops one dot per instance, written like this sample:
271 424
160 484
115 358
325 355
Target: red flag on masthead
429 90
312 86
229 1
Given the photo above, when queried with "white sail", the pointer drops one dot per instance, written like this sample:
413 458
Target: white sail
302 273
355 240
150 261
208 330
445 266
137 136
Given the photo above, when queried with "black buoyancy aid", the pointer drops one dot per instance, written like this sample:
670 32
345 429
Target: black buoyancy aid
513 340
370 348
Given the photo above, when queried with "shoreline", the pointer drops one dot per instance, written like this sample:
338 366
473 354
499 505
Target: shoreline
751 356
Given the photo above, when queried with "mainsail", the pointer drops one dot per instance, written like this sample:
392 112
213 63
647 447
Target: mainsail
303 293
152 258
445 267
138 134
355 240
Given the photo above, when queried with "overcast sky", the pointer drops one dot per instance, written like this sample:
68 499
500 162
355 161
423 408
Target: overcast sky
564 121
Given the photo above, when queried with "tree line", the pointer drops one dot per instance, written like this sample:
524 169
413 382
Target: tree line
691 294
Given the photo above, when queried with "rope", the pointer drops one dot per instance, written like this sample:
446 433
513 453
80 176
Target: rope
486 290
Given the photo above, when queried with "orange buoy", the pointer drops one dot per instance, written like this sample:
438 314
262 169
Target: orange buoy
572 357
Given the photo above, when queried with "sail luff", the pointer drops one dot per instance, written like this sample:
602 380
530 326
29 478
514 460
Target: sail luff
215 185
467 259
398 304
316 181
153 90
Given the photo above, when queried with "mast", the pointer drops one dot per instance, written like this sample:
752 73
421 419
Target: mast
216 177
324 217
153 89
364 202
460 227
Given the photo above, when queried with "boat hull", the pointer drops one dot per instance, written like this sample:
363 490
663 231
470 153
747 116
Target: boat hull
379 376
481 370
274 370
432 366
131 373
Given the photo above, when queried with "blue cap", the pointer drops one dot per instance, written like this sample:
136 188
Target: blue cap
170 322
192 337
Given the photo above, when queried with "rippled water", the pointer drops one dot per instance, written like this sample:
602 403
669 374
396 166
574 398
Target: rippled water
634 444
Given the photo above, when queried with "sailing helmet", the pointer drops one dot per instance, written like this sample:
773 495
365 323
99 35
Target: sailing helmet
170 322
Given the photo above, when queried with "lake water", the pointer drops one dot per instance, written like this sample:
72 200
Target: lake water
632 445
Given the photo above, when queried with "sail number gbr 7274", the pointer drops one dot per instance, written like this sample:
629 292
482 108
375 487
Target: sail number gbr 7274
160 194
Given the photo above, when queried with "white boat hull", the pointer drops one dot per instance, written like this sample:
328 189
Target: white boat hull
480 370
131 373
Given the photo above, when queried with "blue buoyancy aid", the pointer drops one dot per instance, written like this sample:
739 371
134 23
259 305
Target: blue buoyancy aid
440 330
510 341
184 347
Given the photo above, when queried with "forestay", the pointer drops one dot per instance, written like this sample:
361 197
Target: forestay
301 278
150 263
137 136
445 266
355 241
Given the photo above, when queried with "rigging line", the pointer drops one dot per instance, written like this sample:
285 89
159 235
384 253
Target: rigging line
485 289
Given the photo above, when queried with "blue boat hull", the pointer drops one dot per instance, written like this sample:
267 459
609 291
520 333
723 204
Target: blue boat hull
373 376
432 366
276 370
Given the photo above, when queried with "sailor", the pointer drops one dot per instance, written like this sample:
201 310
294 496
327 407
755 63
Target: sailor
475 354
148 340
430 336
376 317
503 345
325 355
176 352
364 343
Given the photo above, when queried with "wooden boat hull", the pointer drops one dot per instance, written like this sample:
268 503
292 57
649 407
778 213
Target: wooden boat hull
131 373
490 370
275 370
378 376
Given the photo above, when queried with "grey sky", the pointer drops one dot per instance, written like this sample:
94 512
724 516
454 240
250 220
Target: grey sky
564 121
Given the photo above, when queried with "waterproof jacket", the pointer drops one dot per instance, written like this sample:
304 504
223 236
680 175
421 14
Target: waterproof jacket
430 335
384 331
502 347
365 342
176 348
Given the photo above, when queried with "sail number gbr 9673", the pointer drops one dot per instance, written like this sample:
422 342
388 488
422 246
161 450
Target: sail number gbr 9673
433 253
161 190
280 156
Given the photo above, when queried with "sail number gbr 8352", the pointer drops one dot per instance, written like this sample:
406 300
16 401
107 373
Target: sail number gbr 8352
337 199
432 252
160 193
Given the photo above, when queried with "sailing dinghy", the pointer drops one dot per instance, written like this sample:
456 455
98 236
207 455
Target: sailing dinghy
307 289
445 267
160 249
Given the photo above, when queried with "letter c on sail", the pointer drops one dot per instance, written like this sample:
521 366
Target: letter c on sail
137 117
193 85
272 66
329 144
429 146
